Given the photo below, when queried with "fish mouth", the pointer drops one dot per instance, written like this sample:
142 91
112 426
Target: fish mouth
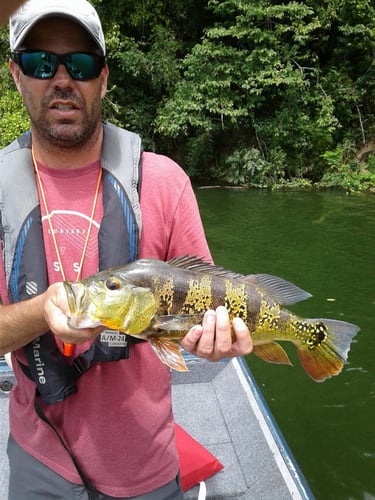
79 306
74 295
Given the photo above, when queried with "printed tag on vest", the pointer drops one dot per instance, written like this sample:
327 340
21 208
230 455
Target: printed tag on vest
113 338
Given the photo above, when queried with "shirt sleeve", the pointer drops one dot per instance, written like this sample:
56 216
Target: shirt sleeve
171 222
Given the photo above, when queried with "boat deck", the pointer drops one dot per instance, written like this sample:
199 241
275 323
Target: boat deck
220 405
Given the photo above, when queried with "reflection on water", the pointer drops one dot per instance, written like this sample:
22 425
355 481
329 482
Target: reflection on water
323 242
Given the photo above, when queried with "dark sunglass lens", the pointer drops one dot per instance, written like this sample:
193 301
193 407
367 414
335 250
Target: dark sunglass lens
83 66
38 64
43 64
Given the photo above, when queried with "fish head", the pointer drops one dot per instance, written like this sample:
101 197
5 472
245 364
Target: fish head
110 300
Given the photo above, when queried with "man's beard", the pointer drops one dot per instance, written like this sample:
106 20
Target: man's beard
65 133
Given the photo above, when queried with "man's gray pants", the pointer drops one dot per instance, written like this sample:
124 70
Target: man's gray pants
31 480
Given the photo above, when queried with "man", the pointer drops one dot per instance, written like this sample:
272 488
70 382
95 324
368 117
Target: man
100 424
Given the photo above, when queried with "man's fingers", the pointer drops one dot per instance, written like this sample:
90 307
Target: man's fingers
244 342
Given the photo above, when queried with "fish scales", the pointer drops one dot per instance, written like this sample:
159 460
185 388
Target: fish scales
160 301
197 294
311 335
287 325
189 294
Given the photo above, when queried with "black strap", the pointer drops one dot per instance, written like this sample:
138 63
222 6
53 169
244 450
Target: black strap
89 486
59 377
49 369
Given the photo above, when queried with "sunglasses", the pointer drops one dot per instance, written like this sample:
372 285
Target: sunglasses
43 65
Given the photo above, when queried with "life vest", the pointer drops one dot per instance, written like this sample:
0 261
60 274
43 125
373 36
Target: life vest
24 255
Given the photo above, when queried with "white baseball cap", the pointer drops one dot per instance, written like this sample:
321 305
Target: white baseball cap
31 12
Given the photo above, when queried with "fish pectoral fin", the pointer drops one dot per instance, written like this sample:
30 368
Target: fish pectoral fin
169 352
176 322
272 353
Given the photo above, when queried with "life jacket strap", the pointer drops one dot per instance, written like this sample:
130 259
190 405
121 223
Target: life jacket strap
50 389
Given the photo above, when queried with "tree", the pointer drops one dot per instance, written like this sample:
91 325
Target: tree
264 77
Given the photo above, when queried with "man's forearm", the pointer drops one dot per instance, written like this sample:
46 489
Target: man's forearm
21 323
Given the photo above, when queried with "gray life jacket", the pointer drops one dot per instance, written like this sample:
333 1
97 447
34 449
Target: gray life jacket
24 255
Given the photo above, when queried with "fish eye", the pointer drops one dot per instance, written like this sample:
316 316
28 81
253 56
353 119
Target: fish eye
113 284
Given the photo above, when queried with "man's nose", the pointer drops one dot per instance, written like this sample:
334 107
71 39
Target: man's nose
62 75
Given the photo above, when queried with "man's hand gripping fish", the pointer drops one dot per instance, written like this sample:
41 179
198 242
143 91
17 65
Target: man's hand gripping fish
160 301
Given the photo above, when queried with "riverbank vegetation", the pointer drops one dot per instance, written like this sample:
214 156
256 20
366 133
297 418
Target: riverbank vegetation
252 92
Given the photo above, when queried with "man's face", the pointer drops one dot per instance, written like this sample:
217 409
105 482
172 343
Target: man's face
63 112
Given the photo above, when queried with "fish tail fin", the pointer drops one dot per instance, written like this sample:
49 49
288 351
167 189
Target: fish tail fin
324 356
169 352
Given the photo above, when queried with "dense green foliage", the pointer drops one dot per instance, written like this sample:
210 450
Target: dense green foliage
257 92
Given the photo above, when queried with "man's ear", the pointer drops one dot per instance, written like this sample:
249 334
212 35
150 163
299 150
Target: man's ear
104 79
15 71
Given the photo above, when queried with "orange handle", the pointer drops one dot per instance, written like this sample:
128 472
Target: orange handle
68 350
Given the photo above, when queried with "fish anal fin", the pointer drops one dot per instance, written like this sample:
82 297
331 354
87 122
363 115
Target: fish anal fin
169 352
272 353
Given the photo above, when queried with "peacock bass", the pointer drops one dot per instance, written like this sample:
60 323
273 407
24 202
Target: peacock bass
160 301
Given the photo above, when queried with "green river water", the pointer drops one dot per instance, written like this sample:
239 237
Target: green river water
323 242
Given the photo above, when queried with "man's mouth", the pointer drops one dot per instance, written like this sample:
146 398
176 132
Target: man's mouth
64 107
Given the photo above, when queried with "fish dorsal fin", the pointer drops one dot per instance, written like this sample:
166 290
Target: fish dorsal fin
281 291
200 265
